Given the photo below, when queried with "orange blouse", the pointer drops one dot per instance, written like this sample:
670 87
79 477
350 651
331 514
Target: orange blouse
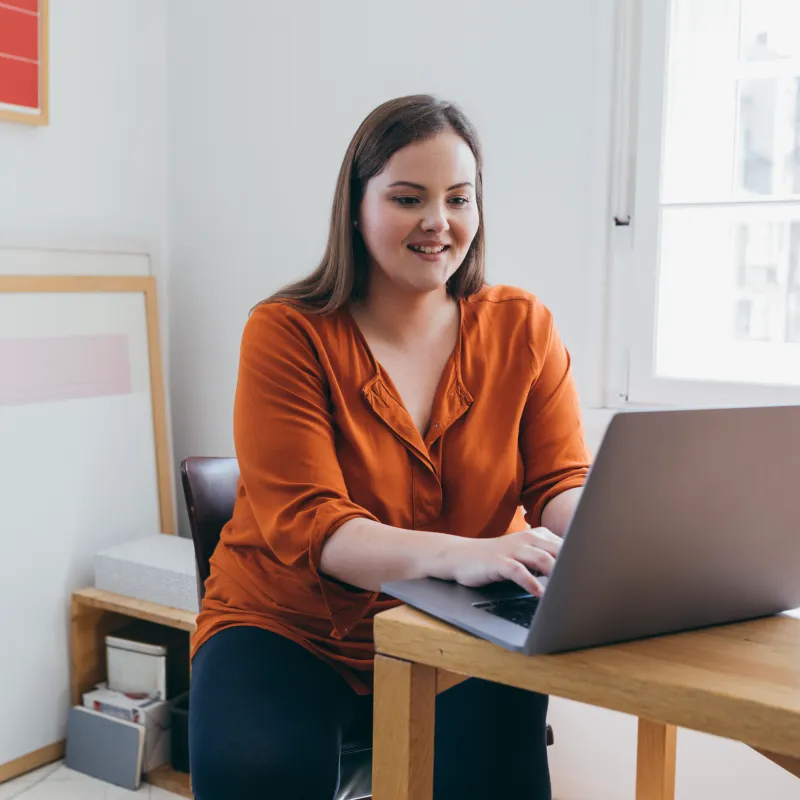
322 437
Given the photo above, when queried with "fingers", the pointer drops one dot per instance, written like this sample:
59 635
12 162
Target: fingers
543 539
536 559
516 571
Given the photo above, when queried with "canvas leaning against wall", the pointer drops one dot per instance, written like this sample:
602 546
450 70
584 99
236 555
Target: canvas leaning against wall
84 466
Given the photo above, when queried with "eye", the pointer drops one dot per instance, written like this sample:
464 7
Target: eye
459 201
406 201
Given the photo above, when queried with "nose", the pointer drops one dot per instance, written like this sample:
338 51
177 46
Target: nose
435 219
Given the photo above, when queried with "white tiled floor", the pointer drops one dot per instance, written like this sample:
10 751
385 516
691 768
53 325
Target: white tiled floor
56 782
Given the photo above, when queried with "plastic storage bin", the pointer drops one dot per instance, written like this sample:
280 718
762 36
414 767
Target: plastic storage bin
180 734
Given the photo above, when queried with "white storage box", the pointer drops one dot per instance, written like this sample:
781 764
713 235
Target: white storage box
158 568
134 672
148 660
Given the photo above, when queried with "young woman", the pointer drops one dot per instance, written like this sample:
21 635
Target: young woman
395 417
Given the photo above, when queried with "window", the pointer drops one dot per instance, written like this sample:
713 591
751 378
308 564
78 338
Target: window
708 270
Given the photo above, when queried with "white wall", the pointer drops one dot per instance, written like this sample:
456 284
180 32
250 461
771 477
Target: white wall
263 99
95 176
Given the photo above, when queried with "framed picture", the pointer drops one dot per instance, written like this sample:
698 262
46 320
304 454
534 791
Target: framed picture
23 61
85 466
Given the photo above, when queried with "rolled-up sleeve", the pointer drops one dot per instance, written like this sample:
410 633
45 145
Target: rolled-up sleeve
285 443
552 443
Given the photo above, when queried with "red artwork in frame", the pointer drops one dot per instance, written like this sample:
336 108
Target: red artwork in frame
23 61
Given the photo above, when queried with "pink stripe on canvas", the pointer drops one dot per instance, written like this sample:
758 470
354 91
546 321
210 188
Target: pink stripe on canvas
46 370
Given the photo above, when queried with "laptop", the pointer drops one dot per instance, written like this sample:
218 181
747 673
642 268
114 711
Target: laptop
689 518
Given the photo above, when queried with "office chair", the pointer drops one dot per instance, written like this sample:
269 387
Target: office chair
209 487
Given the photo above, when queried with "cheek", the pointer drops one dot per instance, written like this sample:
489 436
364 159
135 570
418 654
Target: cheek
466 227
385 230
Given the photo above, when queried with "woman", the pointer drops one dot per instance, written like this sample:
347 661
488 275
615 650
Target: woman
392 414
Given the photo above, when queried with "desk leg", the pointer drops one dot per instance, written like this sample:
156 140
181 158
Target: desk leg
655 761
402 745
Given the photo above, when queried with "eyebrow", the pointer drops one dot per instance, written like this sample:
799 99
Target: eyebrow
423 189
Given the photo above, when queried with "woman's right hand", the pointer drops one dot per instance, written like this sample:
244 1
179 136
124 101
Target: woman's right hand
516 557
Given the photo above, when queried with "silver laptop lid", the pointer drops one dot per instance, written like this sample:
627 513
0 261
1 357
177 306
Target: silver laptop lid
689 518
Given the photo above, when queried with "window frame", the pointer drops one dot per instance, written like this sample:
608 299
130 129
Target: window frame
642 34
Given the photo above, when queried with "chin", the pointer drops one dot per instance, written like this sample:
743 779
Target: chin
428 286
418 278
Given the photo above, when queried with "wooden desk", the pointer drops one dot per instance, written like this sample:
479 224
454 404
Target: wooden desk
738 681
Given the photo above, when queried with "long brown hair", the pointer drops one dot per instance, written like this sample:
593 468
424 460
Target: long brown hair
343 272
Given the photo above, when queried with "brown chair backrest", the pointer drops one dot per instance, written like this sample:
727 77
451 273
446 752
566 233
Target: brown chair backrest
209 486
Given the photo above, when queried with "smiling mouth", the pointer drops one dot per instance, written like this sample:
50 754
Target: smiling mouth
430 251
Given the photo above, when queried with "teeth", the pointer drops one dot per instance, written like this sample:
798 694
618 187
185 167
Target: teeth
429 250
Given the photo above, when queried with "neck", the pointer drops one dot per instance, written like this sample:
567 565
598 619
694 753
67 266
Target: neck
401 315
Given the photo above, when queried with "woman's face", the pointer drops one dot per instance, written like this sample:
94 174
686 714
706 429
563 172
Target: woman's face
424 200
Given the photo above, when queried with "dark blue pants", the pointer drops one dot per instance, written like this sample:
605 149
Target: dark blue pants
266 720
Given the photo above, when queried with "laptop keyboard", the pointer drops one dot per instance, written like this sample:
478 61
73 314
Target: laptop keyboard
519 610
